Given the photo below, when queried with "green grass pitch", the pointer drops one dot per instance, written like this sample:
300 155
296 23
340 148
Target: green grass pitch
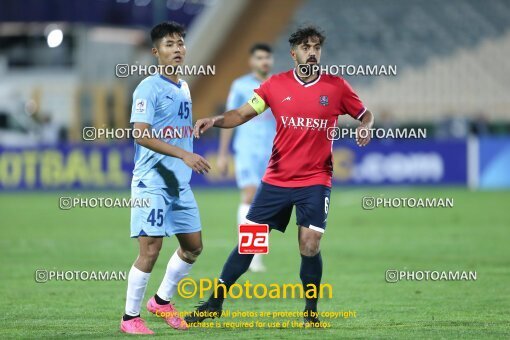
358 247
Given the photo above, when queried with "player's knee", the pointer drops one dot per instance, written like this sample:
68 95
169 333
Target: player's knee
192 254
151 253
309 246
309 242
309 249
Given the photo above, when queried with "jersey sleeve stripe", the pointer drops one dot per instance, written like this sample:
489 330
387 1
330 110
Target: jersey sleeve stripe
361 113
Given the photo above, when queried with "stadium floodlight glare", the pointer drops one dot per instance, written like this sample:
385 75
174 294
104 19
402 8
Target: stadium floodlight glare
55 38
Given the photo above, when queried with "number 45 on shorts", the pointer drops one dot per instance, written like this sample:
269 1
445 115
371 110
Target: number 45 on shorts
253 239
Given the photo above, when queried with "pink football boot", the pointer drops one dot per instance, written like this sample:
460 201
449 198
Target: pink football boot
167 312
134 326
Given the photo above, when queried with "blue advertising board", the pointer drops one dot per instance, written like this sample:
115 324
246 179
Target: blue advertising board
396 162
108 166
72 166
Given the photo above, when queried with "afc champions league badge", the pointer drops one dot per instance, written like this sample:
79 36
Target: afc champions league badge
323 100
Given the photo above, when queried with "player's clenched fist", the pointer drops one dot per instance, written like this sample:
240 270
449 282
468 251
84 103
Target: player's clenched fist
202 125
362 135
196 162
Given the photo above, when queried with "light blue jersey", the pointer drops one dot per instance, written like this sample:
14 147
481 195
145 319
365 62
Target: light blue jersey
167 107
259 131
164 180
253 140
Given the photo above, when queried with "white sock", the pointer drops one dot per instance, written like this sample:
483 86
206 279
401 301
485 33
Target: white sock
242 211
176 270
137 283
257 260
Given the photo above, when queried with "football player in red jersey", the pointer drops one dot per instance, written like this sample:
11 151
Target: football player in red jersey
306 106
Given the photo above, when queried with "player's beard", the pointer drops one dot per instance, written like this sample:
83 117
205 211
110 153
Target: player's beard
312 60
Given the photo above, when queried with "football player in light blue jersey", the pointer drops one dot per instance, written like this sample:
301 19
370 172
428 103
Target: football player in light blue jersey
253 140
164 160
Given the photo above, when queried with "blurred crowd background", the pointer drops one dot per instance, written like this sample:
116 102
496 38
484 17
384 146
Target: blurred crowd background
57 76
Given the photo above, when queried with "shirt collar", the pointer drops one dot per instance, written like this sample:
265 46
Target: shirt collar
305 84
171 82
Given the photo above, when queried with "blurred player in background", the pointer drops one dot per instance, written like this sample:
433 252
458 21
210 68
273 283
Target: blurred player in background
253 140
162 173
306 105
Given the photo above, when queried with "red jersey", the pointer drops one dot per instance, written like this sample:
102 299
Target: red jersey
304 113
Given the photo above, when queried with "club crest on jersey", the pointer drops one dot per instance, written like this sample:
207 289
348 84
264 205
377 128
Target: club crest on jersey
323 100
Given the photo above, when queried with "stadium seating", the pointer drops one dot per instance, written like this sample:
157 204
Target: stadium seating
455 50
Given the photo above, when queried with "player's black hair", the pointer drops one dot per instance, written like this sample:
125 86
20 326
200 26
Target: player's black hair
261 47
163 29
303 33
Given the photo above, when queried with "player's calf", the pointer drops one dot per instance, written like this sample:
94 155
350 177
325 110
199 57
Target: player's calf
235 266
178 267
310 273
149 253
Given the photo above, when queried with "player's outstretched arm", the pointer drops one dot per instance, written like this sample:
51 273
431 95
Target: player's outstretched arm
227 120
223 150
194 161
367 121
